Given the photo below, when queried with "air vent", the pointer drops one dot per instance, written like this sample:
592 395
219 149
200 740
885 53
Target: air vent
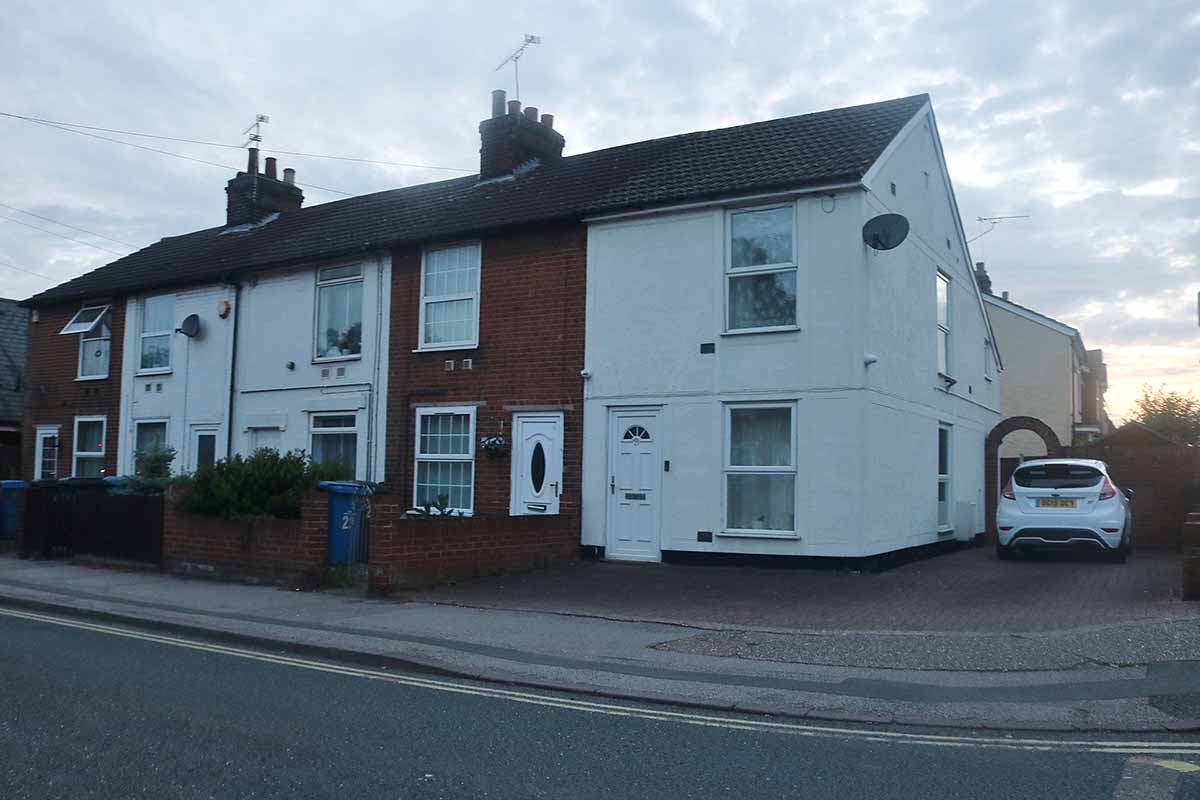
450 365
341 372
708 347
468 363
703 536
325 372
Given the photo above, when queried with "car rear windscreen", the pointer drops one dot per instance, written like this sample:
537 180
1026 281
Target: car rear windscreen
1057 476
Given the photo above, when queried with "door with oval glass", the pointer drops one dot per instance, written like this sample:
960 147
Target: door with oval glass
537 459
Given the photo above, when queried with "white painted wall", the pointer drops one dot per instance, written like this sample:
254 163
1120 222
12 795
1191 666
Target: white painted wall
195 392
273 403
867 436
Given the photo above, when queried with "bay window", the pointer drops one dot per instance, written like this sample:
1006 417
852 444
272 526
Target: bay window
445 458
339 312
450 297
761 269
760 469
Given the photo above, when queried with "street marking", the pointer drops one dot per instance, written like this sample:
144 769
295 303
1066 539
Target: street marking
1178 766
1145 779
1155 748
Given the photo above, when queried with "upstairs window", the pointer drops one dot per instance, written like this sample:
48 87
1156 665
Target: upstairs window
761 269
158 323
91 323
943 323
450 297
339 312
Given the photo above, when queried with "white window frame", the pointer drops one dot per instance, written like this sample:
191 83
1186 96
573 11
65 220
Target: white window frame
138 423
989 361
944 331
314 431
74 326
194 444
760 269
76 453
360 278
947 477
418 457
43 432
465 344
86 337
144 334
728 468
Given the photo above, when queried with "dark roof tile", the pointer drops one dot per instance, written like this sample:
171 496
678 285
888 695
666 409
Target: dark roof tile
793 152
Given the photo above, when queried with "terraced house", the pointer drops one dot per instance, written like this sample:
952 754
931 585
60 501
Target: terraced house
678 344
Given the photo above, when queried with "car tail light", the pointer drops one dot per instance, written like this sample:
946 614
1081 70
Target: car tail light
1007 492
1108 491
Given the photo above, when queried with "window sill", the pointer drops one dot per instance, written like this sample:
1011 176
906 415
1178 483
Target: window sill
457 514
334 359
147 372
442 348
751 331
945 530
79 378
738 533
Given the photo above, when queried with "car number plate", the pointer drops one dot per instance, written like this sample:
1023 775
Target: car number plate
1055 502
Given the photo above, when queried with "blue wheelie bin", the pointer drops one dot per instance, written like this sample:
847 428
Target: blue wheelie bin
12 493
347 521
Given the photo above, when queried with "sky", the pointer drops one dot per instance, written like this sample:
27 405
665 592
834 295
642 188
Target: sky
1085 116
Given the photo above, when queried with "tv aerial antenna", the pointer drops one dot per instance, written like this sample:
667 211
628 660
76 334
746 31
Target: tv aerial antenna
254 131
993 222
515 58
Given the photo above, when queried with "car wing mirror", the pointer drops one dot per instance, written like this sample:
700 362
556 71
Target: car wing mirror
1129 493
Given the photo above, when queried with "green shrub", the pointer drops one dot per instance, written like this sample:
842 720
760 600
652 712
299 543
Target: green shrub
265 484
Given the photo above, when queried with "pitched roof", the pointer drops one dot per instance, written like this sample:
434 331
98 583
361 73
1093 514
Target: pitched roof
794 152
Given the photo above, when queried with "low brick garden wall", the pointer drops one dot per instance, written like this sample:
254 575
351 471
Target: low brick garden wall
292 552
407 552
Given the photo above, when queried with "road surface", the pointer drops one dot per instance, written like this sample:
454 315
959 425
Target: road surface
96 710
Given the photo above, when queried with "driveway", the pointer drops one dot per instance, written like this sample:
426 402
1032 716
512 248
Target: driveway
964 591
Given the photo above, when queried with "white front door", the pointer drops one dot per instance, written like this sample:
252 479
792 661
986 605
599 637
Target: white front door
537 462
633 486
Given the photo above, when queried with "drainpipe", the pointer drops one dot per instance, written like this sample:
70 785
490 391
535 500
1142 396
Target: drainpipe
237 310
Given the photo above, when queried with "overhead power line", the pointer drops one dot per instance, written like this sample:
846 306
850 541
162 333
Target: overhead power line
66 225
184 140
62 236
164 152
12 265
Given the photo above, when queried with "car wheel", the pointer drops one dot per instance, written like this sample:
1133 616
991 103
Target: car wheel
1004 553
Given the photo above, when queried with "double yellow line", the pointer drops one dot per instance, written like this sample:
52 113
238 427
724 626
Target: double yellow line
1146 748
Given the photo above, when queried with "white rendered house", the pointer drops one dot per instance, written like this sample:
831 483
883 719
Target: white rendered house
760 381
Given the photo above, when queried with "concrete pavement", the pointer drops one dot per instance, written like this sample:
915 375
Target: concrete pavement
1124 676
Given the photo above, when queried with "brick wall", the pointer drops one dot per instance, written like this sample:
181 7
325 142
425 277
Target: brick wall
406 552
54 397
291 552
530 353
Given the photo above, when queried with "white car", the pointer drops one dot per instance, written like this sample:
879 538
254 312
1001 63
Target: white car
1063 503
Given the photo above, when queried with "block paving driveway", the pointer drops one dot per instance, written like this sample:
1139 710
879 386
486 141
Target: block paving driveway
967 590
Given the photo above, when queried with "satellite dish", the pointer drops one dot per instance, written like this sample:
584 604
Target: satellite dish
190 326
885 231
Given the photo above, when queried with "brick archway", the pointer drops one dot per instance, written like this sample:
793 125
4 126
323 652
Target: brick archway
991 457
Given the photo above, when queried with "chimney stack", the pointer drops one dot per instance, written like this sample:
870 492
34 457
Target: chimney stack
982 278
511 139
251 196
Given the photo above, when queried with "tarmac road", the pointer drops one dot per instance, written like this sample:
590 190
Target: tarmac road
97 710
